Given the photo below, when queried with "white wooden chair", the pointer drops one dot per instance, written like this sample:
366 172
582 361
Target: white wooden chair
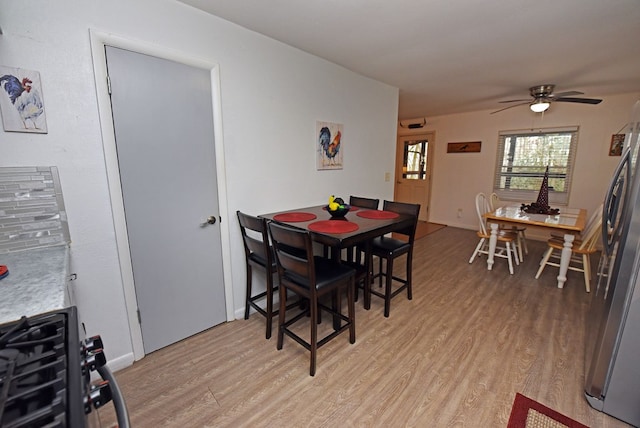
594 217
494 204
505 248
581 251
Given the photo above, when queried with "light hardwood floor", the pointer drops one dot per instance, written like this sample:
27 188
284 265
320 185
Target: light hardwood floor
455 355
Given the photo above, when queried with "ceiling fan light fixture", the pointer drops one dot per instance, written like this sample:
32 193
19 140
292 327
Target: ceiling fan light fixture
539 106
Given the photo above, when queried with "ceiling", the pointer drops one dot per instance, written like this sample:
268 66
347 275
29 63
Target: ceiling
453 56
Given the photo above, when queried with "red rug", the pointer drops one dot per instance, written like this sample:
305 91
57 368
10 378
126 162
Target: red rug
527 413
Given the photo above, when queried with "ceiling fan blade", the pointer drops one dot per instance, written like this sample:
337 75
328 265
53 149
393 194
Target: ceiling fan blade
565 94
578 100
515 101
515 105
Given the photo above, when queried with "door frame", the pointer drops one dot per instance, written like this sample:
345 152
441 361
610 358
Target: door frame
98 41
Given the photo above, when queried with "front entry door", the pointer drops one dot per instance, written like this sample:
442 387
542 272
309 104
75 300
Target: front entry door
163 120
413 171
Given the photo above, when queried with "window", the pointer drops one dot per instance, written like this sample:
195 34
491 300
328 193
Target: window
414 165
523 158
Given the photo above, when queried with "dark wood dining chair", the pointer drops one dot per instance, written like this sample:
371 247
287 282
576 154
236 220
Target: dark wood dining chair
388 249
311 278
358 201
259 255
354 255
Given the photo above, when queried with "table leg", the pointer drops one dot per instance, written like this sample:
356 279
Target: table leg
493 241
565 258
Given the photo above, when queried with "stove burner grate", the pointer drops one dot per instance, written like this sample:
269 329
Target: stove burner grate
34 371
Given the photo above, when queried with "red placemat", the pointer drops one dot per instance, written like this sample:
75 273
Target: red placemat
294 217
377 214
333 226
351 208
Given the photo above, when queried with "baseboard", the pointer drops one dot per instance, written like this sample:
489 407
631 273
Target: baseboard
121 362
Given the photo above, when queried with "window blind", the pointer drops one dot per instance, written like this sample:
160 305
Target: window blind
523 157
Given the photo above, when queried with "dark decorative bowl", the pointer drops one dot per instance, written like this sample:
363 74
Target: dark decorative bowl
340 212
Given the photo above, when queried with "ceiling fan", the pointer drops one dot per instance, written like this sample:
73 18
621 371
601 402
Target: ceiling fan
543 96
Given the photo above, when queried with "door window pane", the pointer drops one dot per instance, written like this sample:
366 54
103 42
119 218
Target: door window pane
414 165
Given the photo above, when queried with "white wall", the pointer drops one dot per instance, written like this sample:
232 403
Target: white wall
457 177
272 95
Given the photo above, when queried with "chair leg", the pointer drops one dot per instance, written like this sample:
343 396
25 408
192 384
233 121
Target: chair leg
314 336
524 242
336 297
520 243
477 250
247 305
409 276
544 261
281 316
368 281
269 304
387 289
509 257
586 265
351 308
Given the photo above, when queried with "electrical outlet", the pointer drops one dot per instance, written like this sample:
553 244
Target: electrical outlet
387 176
459 212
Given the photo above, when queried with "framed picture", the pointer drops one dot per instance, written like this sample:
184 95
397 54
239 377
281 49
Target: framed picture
21 102
617 142
468 147
329 145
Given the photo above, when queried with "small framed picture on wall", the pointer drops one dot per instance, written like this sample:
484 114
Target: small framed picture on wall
21 102
329 145
617 142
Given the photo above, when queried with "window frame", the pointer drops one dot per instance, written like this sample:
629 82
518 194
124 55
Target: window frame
555 197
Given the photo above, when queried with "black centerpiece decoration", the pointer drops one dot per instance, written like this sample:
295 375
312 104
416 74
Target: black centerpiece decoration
541 206
337 208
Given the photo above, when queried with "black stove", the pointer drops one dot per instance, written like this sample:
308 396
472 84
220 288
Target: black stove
45 372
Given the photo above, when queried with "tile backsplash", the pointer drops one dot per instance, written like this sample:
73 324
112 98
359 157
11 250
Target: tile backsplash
32 213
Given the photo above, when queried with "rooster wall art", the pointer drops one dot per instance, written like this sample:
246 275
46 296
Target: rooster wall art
21 101
329 147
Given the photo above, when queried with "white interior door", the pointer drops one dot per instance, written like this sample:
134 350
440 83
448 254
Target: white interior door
413 171
163 121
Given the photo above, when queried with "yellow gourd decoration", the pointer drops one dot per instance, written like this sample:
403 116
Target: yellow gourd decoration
333 205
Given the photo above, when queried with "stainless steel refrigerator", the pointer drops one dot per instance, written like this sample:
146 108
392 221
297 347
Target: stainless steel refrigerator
612 378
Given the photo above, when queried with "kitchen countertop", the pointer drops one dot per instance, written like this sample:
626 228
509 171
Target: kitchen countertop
37 282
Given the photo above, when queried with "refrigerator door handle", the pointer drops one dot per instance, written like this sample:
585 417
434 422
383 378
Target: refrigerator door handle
616 195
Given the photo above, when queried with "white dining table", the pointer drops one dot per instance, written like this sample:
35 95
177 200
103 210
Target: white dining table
569 221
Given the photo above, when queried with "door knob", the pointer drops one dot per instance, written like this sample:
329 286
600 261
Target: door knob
210 220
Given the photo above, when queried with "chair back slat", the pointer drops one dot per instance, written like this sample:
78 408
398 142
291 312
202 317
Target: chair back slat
254 235
494 201
404 208
594 217
482 207
592 233
294 252
358 201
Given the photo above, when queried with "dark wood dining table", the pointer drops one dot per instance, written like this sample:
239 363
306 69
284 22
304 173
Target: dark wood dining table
367 229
